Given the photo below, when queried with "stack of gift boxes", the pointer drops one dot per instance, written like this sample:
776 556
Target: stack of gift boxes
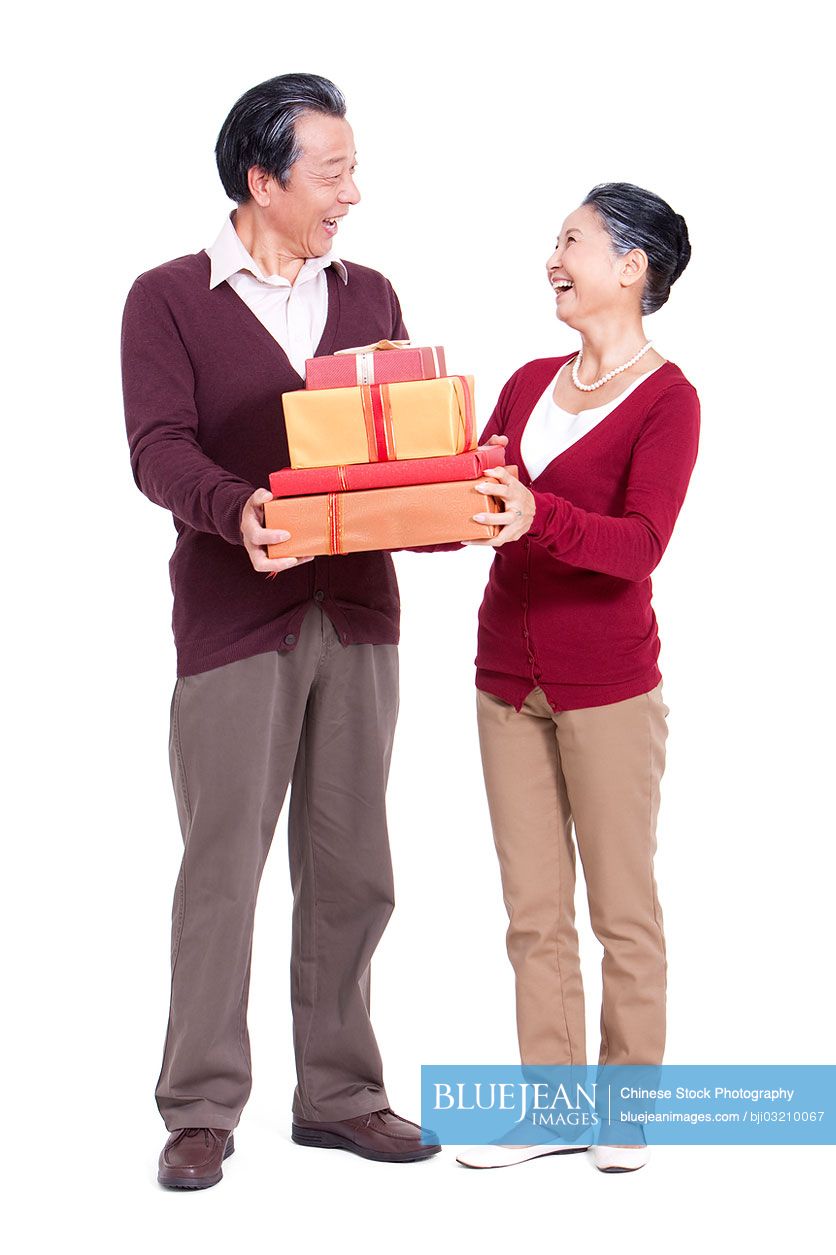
382 455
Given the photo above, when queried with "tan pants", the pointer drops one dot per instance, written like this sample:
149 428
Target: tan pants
597 770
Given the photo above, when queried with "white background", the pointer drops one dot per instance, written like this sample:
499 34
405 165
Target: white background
478 130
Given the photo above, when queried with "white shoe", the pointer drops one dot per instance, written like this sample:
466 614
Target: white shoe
497 1156
620 1158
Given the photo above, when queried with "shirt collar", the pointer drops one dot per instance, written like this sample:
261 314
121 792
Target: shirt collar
228 255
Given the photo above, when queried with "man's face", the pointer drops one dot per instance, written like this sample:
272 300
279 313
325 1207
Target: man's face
321 187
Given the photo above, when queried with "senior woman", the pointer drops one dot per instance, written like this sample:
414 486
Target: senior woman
572 723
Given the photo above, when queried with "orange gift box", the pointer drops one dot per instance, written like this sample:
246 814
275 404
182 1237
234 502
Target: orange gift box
381 518
380 422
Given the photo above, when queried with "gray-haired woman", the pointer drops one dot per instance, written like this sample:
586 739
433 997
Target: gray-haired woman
572 723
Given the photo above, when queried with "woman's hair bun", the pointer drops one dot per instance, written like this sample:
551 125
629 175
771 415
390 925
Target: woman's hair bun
637 218
684 249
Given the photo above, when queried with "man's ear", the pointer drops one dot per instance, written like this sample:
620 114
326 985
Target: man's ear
262 186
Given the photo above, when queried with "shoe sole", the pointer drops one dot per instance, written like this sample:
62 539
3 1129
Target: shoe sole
334 1141
564 1150
193 1183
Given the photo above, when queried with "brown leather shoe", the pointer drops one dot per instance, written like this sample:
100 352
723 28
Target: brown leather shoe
380 1135
191 1158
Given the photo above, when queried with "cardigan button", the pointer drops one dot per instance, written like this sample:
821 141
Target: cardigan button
290 639
319 595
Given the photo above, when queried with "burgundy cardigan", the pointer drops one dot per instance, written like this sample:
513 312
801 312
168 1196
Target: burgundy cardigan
203 381
568 607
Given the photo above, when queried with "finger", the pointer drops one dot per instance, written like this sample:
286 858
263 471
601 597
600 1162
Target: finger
495 490
273 566
502 518
267 535
503 440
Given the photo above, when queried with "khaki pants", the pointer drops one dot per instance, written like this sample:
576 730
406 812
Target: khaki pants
596 770
324 716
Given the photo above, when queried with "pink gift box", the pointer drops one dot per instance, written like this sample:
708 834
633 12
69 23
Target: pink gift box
388 361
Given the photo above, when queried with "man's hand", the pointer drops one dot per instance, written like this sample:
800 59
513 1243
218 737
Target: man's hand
255 536
518 515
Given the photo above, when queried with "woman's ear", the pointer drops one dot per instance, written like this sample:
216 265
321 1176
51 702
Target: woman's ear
633 266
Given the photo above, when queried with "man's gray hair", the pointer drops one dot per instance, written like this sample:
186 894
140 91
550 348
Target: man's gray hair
260 129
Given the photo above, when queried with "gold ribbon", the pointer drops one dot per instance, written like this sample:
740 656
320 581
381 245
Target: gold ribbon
380 347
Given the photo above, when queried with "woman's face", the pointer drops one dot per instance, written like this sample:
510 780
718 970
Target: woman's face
598 279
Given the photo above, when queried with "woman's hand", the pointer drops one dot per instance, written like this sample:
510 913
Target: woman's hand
494 440
518 515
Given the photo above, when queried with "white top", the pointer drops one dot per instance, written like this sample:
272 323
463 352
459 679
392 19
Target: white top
294 313
550 430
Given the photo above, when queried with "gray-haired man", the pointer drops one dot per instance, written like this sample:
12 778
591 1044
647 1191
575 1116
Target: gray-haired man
286 670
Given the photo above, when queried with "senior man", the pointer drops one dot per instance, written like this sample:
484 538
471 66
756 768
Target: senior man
287 671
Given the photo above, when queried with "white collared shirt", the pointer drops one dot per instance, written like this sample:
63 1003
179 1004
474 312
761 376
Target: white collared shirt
551 430
294 313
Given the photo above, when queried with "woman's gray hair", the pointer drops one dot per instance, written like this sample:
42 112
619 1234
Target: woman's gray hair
260 129
636 218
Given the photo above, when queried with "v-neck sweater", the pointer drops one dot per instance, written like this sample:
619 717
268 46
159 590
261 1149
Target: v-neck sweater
203 381
568 606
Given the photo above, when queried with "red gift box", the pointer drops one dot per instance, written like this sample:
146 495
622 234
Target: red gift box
363 475
388 361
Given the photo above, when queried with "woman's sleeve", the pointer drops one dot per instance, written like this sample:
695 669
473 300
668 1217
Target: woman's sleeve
631 546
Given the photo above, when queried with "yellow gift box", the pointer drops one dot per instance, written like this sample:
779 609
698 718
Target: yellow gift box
385 422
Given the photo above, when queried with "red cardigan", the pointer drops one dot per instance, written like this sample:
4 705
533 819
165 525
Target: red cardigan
568 607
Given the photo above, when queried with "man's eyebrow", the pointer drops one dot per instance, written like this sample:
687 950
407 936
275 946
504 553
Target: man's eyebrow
336 161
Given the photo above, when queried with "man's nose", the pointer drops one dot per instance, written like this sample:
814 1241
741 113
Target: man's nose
350 193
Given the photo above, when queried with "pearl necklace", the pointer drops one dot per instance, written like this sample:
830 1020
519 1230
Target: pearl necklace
590 387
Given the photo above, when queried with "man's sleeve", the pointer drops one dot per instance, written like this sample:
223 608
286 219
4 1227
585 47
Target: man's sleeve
631 546
399 331
168 464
